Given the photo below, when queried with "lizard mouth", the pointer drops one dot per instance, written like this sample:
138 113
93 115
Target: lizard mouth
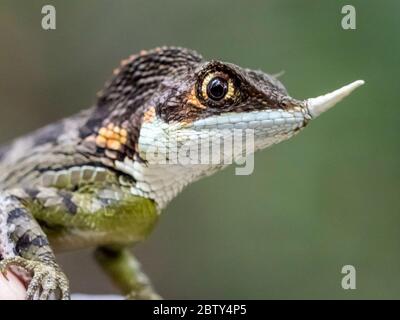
317 106
273 120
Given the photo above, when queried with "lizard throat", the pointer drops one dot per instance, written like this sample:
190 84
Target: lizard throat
173 155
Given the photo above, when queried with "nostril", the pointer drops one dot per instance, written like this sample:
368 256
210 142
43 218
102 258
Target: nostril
288 103
284 104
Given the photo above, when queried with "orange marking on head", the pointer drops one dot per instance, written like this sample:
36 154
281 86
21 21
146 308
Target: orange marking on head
123 133
103 132
117 130
109 134
101 141
192 100
114 145
111 137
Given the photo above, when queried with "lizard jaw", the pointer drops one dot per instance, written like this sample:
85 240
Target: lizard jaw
319 105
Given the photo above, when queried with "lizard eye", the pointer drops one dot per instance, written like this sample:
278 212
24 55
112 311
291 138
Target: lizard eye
217 88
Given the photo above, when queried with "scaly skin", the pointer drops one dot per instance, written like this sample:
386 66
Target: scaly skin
89 180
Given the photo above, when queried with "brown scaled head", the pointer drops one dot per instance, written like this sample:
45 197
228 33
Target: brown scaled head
182 87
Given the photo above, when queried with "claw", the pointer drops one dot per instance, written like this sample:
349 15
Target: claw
46 279
5 264
4 272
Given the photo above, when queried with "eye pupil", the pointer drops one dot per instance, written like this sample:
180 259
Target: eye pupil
217 88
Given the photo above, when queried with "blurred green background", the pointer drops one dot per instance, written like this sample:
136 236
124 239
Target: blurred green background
327 198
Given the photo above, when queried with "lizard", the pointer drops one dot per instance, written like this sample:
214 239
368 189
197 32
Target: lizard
90 179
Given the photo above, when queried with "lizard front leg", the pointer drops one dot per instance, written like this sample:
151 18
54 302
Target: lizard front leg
23 244
107 218
122 267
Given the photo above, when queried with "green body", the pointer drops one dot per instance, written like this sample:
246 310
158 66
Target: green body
129 221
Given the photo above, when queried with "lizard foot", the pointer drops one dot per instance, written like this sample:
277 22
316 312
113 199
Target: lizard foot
47 283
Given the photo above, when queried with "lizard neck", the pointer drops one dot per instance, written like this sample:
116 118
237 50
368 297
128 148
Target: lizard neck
161 182
156 169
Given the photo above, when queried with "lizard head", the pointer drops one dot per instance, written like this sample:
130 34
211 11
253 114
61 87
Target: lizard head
171 104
